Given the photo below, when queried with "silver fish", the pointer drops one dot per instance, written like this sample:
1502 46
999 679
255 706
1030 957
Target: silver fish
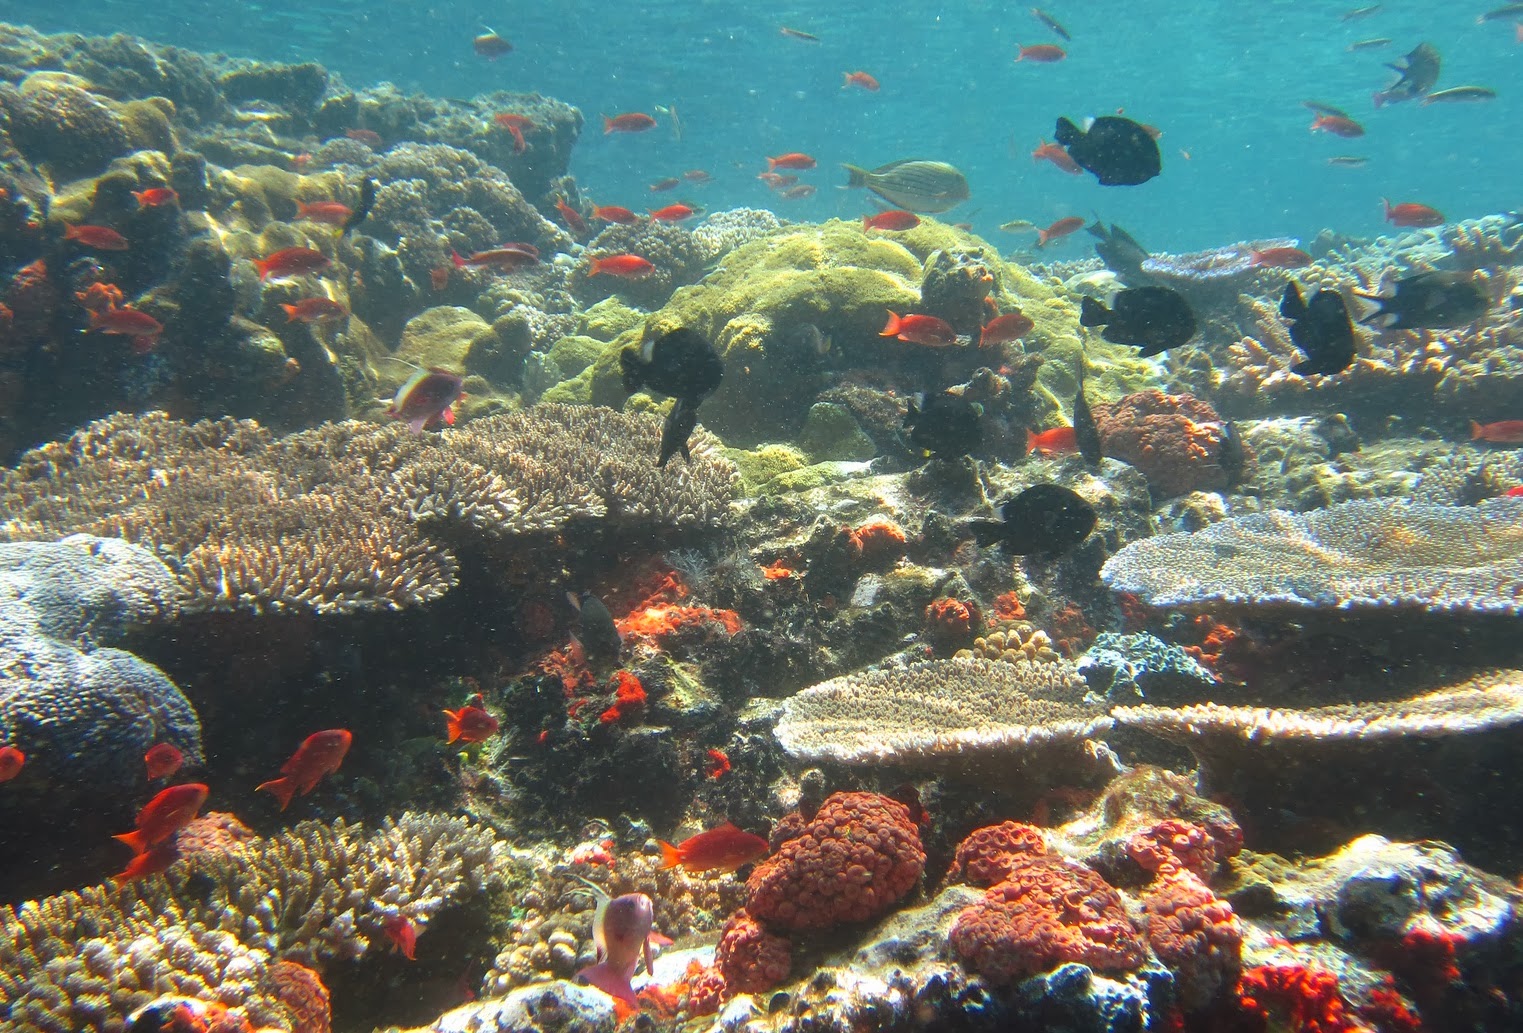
1460 93
1369 44
927 187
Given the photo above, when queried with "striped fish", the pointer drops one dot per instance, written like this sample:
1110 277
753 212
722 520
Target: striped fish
927 187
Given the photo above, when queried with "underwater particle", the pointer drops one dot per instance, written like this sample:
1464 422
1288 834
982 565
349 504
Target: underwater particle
1117 150
291 261
162 760
630 122
721 849
894 219
945 425
319 754
167 813
1152 319
1338 125
1416 74
628 267
927 187
12 761
426 399
1045 520
1040 53
919 329
1411 214
1321 328
490 45
862 79
1011 326
621 929
596 630
314 310
1428 301
101 238
471 723
1502 432
403 935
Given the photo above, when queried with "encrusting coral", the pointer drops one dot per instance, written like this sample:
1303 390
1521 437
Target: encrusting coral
214 927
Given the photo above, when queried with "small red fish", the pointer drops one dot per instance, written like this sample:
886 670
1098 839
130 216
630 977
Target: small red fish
629 267
631 122
424 400
162 760
1410 213
516 125
672 213
299 162
331 213
403 935
1057 155
1058 230
799 192
572 217
1059 439
1515 492
861 79
491 46
791 160
127 321
1337 125
12 761
471 723
1011 326
1281 258
1041 53
291 261
890 220
314 310
1503 432
698 176
155 859
368 137
320 754
718 763
101 238
723 849
918 329
660 186
613 213
155 197
503 259
167 813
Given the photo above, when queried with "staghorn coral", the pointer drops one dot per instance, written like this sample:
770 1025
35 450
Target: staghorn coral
215 927
988 856
1358 555
940 712
1194 933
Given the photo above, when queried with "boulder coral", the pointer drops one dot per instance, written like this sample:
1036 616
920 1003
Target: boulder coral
1174 440
751 959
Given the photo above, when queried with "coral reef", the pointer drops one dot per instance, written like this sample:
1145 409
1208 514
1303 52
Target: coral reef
749 958
1175 440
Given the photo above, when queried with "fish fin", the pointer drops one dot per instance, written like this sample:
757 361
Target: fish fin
650 968
290 313
1031 438
855 177
134 839
1092 313
454 725
986 532
606 978
456 260
282 789
1292 304
1476 434
631 370
671 857
1066 133
891 328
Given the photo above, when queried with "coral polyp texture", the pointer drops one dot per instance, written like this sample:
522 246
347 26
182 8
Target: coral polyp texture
1353 556
217 927
940 712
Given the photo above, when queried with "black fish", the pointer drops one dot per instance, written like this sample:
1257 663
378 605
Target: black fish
1120 252
599 637
1045 519
367 202
1429 301
678 427
1321 329
1117 150
682 364
1086 431
1231 457
948 426
1154 319
1051 22
1417 73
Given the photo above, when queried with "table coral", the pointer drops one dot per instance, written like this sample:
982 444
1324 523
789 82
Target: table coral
751 959
989 855
1174 440
852 861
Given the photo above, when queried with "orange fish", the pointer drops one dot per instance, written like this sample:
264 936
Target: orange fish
613 213
491 46
890 220
155 197
918 329
1409 213
291 261
314 310
1058 156
1281 258
368 137
403 935
1503 432
155 859
12 761
573 218
672 213
723 849
1041 53
1516 491
799 192
516 125
505 259
662 185
1059 229
1337 125
167 813
330 212
631 122
162 760
101 238
629 267
861 79
1059 439
301 161
1011 326
320 754
471 723
791 160
127 321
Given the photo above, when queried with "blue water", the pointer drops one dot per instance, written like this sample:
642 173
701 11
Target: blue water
1224 81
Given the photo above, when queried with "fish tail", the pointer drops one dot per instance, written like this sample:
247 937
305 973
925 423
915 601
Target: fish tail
595 268
671 857
134 839
607 125
1477 432
1092 313
1031 440
456 260
1042 236
1379 98
263 265
855 177
290 313
986 532
282 789
454 725
891 328
610 980
1386 204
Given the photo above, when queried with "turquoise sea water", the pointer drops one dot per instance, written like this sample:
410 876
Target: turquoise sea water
1224 82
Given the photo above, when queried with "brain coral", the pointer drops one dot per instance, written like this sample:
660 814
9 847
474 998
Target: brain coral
940 712
851 862
1049 912
1357 555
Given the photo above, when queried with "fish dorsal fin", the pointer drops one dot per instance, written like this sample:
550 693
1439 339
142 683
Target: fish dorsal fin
599 938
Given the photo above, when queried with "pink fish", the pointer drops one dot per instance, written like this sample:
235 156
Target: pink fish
427 398
621 932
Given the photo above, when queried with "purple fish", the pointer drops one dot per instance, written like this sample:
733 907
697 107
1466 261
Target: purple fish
621 932
426 399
